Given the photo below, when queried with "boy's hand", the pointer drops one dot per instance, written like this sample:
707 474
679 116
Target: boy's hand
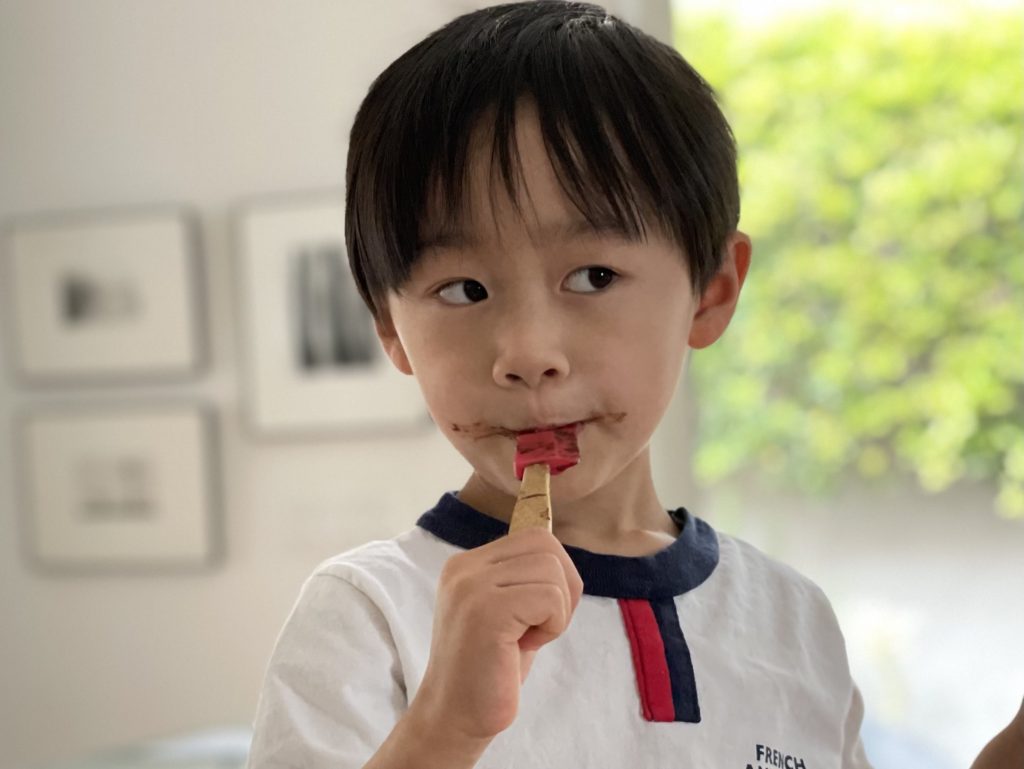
496 606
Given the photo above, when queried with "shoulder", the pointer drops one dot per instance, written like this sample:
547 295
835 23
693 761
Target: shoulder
784 615
742 563
384 569
377 587
773 594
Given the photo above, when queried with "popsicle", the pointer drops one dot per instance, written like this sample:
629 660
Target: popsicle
539 455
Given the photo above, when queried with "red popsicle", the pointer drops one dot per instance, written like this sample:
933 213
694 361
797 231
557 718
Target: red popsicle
557 448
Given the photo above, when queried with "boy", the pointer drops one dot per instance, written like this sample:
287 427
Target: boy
541 215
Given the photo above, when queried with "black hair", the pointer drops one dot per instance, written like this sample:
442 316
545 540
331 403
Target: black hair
633 132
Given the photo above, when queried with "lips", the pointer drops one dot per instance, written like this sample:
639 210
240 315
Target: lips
552 426
480 430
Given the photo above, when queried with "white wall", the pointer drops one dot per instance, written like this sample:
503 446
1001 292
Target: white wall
106 104
112 104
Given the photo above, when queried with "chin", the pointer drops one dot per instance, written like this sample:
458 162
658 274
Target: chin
573 485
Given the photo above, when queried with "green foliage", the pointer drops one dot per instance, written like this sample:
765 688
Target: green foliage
881 329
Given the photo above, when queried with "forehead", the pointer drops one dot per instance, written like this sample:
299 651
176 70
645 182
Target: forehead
490 201
547 231
484 198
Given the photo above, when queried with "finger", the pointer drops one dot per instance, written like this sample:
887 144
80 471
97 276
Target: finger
536 608
517 543
531 541
534 568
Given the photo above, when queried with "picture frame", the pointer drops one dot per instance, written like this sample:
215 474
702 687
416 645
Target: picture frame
313 363
103 297
118 489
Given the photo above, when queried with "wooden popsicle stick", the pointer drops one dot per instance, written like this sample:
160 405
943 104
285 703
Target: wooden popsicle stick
533 505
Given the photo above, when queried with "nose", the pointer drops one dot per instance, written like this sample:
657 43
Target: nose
529 351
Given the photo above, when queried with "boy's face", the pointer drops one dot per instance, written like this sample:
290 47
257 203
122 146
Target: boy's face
523 322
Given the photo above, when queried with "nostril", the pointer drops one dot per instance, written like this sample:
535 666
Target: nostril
527 375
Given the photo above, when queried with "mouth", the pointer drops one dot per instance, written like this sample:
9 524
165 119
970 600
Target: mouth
556 426
478 430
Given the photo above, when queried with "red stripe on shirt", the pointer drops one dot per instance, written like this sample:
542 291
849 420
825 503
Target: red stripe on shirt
648 659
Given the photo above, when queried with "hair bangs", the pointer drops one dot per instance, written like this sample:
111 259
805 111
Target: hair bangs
589 169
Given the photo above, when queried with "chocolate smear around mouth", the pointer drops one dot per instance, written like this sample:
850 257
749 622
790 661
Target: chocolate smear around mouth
478 430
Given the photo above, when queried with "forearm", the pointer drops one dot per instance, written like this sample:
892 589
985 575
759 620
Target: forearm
416 743
1006 750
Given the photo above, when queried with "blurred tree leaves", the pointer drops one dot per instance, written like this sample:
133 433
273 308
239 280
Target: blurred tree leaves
881 330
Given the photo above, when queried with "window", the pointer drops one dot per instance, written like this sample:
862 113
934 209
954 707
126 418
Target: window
879 341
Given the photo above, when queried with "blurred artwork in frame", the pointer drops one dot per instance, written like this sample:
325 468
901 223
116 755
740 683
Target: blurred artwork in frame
313 363
100 297
329 325
118 489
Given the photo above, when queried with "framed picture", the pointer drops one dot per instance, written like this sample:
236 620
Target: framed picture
117 490
313 361
99 297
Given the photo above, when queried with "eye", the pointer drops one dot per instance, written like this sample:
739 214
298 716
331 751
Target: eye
462 292
592 280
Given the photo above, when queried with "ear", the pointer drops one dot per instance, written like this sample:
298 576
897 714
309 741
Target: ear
718 302
391 343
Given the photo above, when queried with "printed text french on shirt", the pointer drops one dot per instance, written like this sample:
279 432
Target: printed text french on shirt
769 757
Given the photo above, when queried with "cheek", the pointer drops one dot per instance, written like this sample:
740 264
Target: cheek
444 379
430 350
645 370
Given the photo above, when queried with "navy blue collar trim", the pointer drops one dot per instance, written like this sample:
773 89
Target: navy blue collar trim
677 568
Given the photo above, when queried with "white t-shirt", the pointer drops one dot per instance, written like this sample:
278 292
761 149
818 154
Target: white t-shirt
704 655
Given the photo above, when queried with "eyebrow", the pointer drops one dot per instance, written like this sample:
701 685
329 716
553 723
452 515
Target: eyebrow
557 231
